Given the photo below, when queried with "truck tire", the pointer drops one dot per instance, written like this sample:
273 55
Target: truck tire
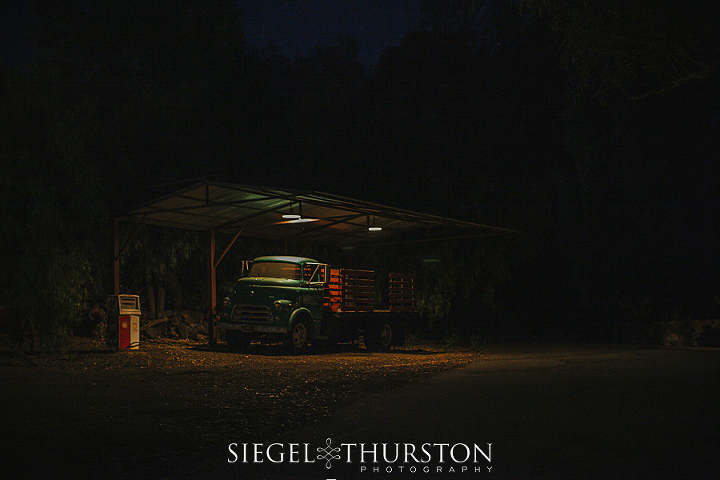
379 338
297 337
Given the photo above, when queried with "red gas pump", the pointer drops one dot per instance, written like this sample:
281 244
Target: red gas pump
123 322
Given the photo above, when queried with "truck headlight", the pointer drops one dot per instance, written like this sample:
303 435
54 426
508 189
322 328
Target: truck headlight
280 304
226 302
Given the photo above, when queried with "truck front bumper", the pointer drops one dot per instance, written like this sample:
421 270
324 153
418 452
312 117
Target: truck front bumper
252 328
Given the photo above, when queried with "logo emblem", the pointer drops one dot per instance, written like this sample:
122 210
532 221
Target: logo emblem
328 453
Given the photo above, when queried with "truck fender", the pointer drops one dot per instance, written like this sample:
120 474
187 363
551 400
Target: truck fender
300 313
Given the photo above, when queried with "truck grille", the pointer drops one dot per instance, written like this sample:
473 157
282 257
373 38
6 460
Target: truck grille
251 313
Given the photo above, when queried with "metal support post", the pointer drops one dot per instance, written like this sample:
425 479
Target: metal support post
211 292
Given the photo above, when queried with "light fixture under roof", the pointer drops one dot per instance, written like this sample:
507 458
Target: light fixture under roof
373 227
302 220
292 215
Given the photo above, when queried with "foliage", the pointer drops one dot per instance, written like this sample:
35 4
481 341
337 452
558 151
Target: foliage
163 251
48 272
453 15
451 339
633 49
52 216
477 343
462 287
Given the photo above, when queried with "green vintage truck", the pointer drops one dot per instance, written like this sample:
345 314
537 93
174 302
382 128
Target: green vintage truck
300 301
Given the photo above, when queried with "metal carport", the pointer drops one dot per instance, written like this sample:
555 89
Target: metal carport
289 215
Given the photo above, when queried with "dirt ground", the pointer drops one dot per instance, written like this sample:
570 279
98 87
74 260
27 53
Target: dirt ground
169 410
160 411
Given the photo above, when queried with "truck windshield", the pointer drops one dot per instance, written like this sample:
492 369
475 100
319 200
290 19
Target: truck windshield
290 271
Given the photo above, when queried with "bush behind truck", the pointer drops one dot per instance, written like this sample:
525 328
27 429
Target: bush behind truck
300 301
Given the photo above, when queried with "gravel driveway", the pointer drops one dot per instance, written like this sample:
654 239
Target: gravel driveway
168 409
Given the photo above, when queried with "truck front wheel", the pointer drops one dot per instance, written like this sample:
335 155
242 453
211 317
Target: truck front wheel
297 337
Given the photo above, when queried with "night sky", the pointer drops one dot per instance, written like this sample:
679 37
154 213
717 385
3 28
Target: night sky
14 41
298 26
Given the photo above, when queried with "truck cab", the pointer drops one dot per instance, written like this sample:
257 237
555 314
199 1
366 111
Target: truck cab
281 296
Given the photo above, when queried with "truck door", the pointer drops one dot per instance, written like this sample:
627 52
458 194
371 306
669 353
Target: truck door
315 278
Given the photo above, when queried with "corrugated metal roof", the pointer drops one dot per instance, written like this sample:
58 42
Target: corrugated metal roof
258 212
